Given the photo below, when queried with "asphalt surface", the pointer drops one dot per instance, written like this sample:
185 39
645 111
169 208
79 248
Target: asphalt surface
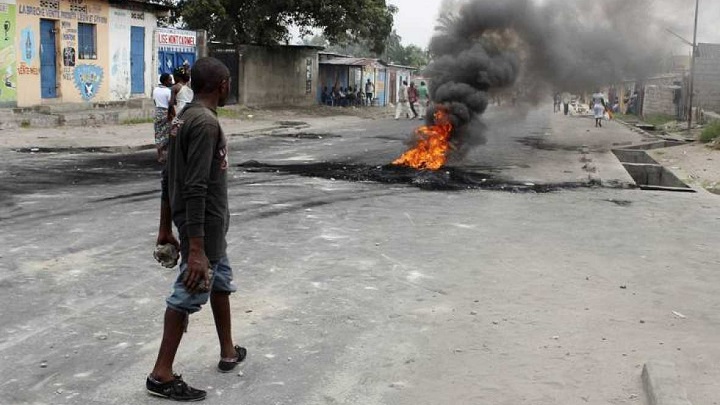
363 291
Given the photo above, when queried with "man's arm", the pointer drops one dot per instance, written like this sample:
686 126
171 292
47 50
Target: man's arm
200 152
173 100
165 233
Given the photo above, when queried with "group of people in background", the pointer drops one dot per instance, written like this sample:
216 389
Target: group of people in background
600 107
410 97
170 98
348 96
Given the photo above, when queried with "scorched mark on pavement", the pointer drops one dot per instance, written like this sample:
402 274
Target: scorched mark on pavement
446 179
41 173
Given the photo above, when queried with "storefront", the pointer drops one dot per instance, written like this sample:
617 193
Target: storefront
84 51
57 52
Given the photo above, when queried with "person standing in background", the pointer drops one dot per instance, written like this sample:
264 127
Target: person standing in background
161 97
369 91
181 94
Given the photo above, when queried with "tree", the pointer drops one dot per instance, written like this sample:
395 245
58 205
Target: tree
410 55
394 51
266 22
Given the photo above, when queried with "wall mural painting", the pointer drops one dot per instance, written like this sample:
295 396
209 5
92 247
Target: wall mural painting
88 79
69 56
27 45
8 71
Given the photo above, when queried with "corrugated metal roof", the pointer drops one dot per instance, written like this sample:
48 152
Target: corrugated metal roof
709 51
406 67
153 3
353 62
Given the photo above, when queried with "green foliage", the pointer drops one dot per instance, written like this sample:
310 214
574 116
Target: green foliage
266 22
228 112
659 119
394 51
711 132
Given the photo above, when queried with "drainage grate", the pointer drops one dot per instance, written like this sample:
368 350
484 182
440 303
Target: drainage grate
647 173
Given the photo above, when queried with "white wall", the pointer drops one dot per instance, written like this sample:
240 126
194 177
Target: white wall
120 22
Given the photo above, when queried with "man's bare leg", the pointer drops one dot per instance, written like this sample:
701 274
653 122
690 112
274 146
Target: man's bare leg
174 326
220 304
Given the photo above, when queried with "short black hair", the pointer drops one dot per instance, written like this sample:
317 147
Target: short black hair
207 74
422 83
164 78
181 73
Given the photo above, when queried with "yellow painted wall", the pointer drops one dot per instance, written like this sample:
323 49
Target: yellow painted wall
87 80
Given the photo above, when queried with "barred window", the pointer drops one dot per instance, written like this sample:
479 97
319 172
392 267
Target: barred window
87 41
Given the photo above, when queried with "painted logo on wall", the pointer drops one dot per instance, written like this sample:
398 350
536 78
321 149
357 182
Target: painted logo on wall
27 45
8 67
88 79
69 56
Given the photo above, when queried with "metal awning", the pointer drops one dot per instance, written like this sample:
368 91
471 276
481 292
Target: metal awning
359 62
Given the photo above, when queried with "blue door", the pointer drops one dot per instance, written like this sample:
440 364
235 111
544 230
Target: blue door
184 58
167 62
137 60
48 61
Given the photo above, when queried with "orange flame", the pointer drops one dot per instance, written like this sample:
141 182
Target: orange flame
433 145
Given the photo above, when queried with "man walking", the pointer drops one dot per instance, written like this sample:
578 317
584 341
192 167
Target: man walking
402 107
556 103
566 103
413 99
369 91
424 94
194 197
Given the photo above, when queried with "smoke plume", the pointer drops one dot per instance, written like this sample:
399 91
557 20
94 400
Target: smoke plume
533 47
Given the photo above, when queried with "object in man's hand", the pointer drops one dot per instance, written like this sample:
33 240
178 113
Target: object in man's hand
167 255
207 283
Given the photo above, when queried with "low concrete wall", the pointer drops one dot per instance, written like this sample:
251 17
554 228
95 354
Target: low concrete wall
709 116
659 100
278 76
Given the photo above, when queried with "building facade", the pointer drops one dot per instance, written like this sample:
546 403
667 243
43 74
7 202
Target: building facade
265 76
84 51
707 77
132 60
57 53
344 71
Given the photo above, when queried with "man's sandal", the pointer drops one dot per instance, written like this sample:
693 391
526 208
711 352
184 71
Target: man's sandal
228 364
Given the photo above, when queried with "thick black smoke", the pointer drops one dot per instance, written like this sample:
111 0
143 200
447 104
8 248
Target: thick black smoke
532 46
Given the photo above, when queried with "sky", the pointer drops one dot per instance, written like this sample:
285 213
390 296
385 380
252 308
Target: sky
415 20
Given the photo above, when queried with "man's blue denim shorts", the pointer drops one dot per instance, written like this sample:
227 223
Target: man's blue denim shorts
222 281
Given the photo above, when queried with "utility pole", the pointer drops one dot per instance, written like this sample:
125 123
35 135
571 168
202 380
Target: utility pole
692 65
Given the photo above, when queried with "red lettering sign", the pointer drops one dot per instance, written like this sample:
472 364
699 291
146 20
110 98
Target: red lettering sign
176 39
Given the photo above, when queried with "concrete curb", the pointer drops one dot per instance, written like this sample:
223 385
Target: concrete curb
662 384
632 127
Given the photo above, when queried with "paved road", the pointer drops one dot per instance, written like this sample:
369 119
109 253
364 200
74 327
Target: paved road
358 292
